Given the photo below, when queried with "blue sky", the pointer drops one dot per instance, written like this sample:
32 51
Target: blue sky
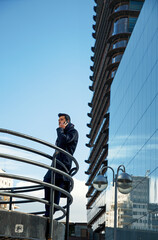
45 50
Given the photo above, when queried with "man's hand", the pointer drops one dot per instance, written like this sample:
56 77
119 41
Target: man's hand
63 125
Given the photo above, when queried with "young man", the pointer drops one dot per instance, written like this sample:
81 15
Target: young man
67 138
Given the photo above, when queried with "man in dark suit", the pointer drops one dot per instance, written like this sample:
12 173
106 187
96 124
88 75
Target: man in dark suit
67 138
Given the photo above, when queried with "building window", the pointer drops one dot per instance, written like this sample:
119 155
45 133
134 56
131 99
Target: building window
84 233
132 22
113 73
120 26
135 5
122 43
117 58
121 7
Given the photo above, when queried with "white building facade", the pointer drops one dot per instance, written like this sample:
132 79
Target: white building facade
5 183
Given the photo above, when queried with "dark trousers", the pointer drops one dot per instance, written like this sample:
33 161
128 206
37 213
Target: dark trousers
59 183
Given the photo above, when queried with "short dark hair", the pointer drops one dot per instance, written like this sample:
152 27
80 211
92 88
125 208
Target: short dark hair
67 117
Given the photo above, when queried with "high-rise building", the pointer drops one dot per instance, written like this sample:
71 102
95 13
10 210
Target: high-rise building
114 23
133 127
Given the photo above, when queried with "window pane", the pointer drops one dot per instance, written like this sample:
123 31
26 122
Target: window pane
121 7
135 5
120 26
117 58
122 43
132 22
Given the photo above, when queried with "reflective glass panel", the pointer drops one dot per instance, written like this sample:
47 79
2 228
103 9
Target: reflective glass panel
133 131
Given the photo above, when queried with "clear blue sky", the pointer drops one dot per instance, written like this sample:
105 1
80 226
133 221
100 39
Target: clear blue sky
45 50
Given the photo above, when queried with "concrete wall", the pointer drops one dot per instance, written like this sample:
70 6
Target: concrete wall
21 225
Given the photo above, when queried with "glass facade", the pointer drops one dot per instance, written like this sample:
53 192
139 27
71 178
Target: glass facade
133 130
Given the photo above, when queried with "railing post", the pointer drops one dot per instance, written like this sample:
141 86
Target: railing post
51 208
67 221
11 199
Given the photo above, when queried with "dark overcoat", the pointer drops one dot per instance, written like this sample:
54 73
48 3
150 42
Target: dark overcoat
67 140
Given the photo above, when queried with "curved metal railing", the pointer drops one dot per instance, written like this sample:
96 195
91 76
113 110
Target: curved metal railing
19 192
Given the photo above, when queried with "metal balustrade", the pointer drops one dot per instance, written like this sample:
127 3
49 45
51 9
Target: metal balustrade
24 193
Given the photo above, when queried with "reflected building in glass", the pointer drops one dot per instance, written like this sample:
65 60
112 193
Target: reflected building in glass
134 207
123 116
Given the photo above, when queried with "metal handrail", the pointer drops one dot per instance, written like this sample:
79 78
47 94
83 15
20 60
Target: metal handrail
11 157
28 137
15 192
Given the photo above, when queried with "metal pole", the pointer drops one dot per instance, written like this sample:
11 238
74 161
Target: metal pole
51 209
67 221
11 199
10 203
115 209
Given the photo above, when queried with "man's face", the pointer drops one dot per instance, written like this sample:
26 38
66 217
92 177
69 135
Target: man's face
62 120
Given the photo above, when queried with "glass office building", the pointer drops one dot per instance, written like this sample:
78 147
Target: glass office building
130 135
133 130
